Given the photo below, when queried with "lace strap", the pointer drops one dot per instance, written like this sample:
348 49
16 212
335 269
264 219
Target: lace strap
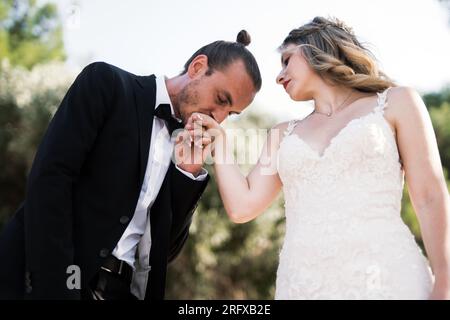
290 127
382 99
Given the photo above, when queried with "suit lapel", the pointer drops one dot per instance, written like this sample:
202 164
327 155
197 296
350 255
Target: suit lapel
145 95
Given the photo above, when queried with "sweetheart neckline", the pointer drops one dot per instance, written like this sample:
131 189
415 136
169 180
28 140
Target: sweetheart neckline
322 155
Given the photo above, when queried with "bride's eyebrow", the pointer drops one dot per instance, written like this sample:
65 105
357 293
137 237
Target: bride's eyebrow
284 56
289 52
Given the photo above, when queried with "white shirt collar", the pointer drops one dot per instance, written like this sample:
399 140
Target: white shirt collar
162 96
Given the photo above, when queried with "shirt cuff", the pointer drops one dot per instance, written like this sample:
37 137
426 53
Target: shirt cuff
201 177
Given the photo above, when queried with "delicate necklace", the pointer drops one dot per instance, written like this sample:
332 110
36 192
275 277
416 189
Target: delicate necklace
329 114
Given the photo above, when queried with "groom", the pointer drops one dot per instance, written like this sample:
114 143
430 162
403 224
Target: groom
106 209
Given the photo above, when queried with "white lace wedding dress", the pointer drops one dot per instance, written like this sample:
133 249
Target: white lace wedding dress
345 238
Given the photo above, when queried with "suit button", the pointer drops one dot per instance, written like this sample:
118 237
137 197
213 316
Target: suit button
124 219
104 253
27 279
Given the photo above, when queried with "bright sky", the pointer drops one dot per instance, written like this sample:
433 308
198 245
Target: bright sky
411 38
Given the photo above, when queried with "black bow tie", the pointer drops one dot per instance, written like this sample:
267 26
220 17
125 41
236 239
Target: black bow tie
163 112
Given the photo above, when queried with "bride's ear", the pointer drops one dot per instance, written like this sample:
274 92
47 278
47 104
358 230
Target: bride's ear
198 66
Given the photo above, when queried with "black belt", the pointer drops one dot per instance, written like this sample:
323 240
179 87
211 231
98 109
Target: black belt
118 267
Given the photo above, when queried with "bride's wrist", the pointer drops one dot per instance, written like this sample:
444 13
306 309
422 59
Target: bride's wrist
220 152
218 135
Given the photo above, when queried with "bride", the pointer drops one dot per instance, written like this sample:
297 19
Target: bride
342 171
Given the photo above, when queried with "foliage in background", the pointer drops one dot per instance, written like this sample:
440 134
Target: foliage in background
28 100
30 34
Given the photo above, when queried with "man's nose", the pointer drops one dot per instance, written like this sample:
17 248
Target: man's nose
220 115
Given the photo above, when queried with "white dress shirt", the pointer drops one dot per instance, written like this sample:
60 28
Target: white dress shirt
160 152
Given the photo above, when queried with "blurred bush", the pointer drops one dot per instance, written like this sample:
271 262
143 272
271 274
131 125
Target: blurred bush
28 100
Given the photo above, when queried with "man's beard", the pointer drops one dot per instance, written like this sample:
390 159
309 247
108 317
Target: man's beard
187 98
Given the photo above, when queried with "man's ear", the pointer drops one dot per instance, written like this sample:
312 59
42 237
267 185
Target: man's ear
198 66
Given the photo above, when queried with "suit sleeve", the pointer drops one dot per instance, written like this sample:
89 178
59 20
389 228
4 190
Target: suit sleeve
48 203
185 194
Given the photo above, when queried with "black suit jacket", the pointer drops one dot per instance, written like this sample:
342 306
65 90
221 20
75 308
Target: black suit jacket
83 188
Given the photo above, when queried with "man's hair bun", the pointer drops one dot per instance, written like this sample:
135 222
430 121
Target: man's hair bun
243 38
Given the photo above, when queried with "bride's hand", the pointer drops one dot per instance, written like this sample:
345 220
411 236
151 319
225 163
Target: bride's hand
200 125
200 120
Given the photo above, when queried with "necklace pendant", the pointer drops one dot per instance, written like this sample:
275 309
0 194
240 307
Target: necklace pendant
329 114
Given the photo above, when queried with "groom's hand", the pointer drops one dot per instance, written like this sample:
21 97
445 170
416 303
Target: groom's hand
201 123
192 146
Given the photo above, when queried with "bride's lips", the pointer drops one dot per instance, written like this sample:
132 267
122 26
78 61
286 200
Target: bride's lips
285 84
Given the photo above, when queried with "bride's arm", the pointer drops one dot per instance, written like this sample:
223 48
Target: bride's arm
426 183
245 197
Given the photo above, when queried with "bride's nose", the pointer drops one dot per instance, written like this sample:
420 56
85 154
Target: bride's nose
280 77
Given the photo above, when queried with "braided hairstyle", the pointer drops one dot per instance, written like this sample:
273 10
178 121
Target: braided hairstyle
222 53
334 53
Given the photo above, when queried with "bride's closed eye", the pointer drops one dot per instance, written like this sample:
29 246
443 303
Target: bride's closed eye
285 60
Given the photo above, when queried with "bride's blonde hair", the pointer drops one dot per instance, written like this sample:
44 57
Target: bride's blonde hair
333 51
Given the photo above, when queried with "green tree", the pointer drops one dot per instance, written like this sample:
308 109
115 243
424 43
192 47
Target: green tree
30 90
438 104
28 100
30 34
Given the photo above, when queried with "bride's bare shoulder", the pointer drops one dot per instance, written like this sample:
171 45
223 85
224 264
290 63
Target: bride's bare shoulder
277 132
279 129
404 103
281 126
403 98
